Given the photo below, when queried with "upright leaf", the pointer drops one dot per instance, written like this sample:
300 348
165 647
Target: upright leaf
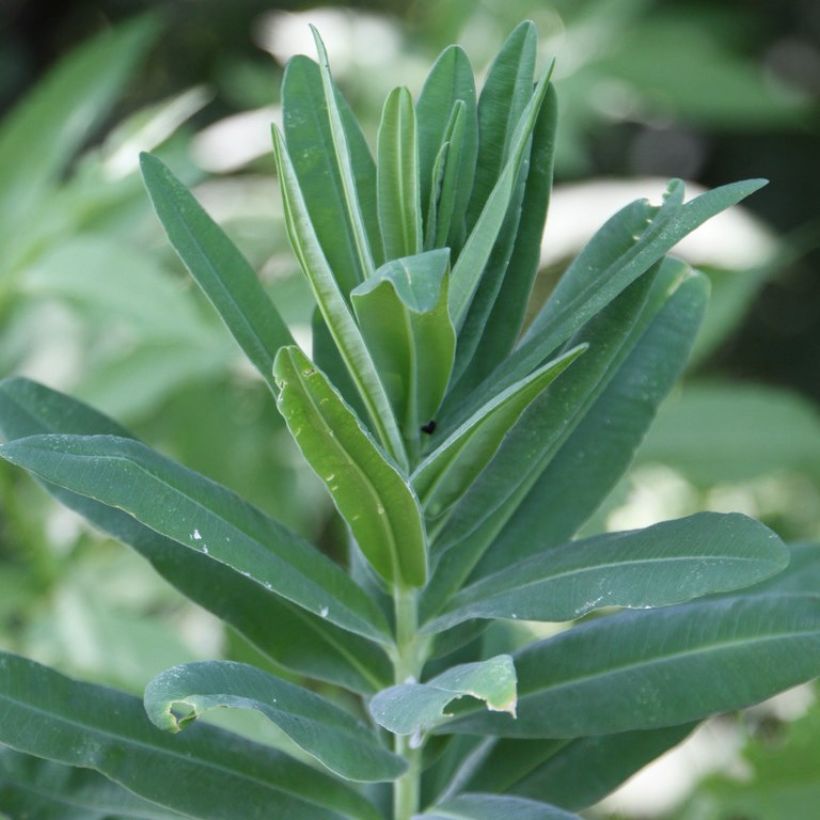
218 267
371 494
400 219
333 306
490 807
204 773
326 732
310 144
204 517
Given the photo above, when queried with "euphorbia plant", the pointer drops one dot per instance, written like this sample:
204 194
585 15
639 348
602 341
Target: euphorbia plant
463 457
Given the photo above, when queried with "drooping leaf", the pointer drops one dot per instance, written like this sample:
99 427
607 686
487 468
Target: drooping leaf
310 145
371 494
448 90
204 773
668 563
447 473
399 197
644 670
306 643
403 314
202 516
410 708
325 731
31 787
218 267
479 806
333 306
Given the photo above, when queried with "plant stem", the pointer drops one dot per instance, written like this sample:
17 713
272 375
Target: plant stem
407 665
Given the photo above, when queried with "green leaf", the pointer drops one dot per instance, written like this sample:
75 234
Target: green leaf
664 667
310 144
481 516
204 773
448 472
303 642
40 136
344 162
335 738
403 314
334 309
371 494
448 90
590 461
43 790
202 516
491 807
573 774
668 563
471 261
398 177
506 92
218 267
410 708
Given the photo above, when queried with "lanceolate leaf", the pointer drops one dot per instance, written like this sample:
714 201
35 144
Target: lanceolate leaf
31 787
398 177
334 309
218 267
417 707
344 163
303 642
204 517
323 730
668 563
447 473
310 145
491 807
403 314
449 83
643 670
373 497
204 773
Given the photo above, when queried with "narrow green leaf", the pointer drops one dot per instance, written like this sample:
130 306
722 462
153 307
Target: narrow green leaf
573 774
410 708
644 670
371 494
331 735
38 789
306 643
478 247
204 517
403 315
310 144
344 162
490 807
505 95
398 177
334 309
204 773
448 95
218 267
448 472
665 564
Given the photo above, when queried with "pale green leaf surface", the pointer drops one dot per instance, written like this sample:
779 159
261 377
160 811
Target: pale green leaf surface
668 563
410 707
323 730
205 773
202 516
371 494
218 267
479 806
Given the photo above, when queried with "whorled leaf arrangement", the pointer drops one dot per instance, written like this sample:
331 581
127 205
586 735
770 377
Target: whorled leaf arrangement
463 457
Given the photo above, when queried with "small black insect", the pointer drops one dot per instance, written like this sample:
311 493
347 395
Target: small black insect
429 428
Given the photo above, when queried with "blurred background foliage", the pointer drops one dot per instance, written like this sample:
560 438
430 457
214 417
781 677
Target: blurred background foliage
93 302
